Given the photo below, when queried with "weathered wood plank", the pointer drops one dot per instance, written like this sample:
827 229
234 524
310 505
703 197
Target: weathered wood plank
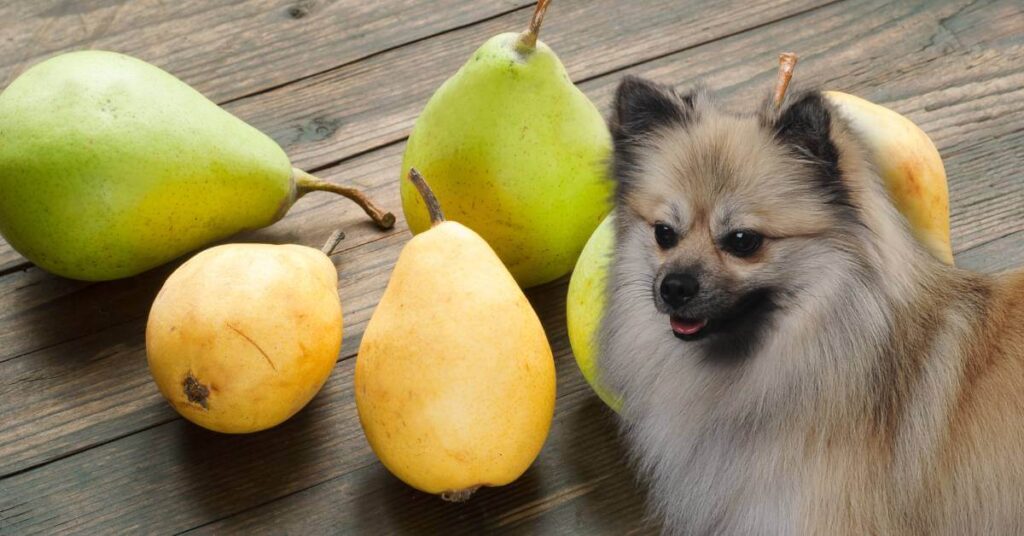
597 495
329 117
1005 253
231 49
10 260
65 311
349 110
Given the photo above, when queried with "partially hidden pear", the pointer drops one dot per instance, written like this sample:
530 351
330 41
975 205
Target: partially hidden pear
242 336
110 166
516 152
910 165
585 305
454 380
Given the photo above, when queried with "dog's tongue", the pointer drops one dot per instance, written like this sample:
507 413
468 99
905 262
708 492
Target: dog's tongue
687 327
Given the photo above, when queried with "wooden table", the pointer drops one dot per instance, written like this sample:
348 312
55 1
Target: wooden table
88 445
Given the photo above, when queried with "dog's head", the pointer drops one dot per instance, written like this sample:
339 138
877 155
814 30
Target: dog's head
726 217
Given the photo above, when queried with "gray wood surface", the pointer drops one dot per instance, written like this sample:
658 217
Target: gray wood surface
88 445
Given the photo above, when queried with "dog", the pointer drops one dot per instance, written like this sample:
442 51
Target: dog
790 359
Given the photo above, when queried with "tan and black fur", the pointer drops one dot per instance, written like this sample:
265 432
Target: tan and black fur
847 382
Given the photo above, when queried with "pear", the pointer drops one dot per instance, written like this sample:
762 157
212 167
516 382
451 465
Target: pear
517 153
454 380
585 306
904 156
909 164
110 166
242 336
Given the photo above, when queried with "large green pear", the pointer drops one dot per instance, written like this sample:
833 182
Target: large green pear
110 166
518 154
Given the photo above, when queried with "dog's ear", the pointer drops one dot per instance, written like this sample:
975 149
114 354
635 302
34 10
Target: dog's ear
641 106
805 126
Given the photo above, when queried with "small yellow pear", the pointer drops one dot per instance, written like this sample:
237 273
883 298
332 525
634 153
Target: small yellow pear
455 379
242 336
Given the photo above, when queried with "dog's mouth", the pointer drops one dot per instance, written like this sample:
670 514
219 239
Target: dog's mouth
740 323
688 329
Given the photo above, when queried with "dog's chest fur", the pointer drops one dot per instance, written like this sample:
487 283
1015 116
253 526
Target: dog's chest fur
718 466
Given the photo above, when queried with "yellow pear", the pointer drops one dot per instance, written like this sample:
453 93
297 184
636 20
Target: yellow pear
242 336
909 164
455 380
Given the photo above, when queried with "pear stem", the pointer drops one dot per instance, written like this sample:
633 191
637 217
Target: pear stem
305 183
787 62
528 39
332 242
433 207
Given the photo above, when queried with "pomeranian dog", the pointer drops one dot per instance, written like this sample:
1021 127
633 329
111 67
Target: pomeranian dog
790 359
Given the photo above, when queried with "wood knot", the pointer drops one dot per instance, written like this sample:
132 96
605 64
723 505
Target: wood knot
299 10
317 129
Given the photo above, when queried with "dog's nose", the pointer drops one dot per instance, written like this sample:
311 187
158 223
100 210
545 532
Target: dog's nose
677 289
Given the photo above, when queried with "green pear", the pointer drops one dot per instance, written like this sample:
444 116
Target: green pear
110 166
584 307
518 153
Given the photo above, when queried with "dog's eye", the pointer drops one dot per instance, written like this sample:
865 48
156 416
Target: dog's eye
742 243
665 236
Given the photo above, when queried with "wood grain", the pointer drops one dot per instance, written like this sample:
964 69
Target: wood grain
595 494
329 117
230 49
75 392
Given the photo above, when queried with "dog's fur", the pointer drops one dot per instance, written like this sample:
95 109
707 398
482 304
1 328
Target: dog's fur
849 383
